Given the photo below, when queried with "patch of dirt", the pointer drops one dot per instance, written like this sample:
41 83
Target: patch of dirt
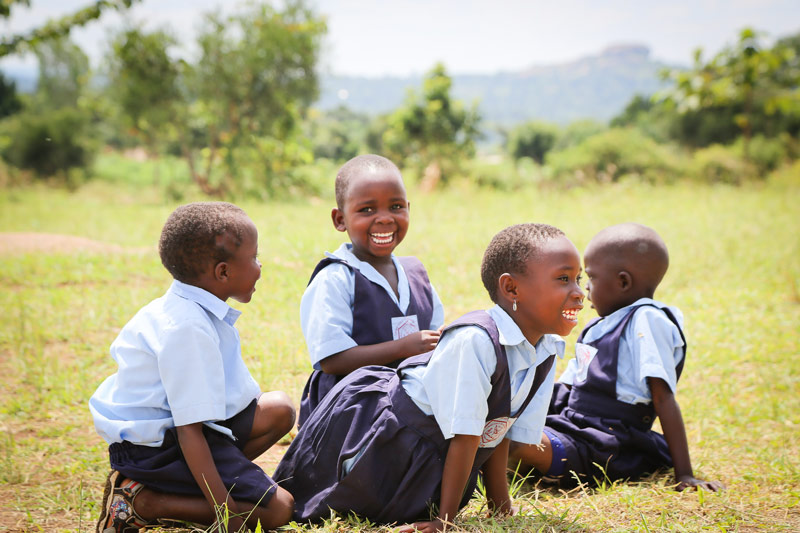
27 242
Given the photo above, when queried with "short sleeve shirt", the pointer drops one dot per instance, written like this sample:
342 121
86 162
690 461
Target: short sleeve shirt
326 309
454 386
650 346
179 362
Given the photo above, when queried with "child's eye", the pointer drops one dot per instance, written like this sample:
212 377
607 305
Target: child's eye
365 210
565 279
579 279
397 206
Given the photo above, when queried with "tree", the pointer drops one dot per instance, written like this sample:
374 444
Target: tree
9 100
63 73
532 139
144 82
54 28
254 81
746 76
431 130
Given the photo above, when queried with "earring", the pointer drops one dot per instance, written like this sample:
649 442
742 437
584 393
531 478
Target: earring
514 306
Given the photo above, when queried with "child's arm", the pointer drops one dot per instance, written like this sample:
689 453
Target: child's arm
380 354
457 466
198 456
669 413
496 480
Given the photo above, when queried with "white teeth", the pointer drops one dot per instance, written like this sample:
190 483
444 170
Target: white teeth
382 238
570 314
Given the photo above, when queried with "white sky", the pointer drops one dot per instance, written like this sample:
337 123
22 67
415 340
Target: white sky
400 37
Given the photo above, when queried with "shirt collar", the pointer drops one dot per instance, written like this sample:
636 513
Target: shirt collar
610 321
511 335
345 252
206 300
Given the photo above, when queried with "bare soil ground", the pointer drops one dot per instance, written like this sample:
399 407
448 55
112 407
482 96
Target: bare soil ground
22 243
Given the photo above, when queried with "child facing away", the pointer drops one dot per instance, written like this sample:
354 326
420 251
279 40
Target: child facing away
406 444
182 415
624 374
364 306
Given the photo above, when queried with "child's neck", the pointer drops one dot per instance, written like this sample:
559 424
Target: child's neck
385 267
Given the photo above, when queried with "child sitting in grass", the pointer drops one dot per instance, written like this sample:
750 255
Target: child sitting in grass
364 306
182 415
624 374
406 444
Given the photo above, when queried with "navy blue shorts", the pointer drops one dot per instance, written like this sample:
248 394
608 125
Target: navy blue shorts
165 470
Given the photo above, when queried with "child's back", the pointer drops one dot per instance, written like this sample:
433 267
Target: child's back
363 305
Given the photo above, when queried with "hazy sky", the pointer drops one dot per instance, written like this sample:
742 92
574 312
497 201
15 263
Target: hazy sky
402 37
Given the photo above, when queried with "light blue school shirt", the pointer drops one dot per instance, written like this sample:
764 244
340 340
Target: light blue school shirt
326 309
180 362
651 346
454 386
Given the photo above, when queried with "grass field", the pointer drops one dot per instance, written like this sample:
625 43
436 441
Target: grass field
735 273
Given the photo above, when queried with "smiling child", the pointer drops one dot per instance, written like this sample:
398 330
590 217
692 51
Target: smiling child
364 306
407 444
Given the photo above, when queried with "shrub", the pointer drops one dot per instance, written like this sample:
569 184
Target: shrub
533 140
765 153
49 144
721 164
612 155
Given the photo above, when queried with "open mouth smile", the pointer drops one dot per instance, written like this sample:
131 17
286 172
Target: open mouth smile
571 314
382 238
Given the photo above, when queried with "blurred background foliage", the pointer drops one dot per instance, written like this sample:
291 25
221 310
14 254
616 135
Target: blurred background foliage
241 120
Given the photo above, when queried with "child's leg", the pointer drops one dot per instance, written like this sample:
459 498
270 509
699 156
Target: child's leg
150 505
538 456
274 418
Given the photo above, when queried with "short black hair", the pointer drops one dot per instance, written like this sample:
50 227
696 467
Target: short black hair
635 248
510 250
189 243
371 162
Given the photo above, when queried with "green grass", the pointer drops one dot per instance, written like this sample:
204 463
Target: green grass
735 273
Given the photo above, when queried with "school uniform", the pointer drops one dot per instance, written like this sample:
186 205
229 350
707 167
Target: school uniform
377 443
180 362
604 417
348 303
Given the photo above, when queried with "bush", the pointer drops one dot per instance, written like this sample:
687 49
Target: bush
765 153
612 155
721 164
533 140
51 144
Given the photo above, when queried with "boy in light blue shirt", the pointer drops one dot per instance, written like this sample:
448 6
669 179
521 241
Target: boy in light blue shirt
182 415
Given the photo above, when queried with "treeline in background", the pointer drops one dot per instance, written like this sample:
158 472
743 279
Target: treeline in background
240 120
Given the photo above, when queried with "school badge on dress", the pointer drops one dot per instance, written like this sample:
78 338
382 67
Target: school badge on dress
403 326
583 356
495 430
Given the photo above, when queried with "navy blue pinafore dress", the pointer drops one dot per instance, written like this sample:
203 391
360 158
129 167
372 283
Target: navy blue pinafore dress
596 428
373 310
398 476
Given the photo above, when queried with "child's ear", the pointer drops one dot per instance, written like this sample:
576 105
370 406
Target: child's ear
337 216
507 287
221 271
625 280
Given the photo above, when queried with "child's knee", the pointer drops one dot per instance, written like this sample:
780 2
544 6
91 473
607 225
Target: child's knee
281 507
280 410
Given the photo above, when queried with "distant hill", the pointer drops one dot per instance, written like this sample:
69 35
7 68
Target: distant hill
596 87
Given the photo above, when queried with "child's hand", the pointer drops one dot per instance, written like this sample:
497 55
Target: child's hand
685 482
421 341
426 527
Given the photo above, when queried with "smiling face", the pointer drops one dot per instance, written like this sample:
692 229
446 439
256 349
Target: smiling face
548 294
243 269
374 214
